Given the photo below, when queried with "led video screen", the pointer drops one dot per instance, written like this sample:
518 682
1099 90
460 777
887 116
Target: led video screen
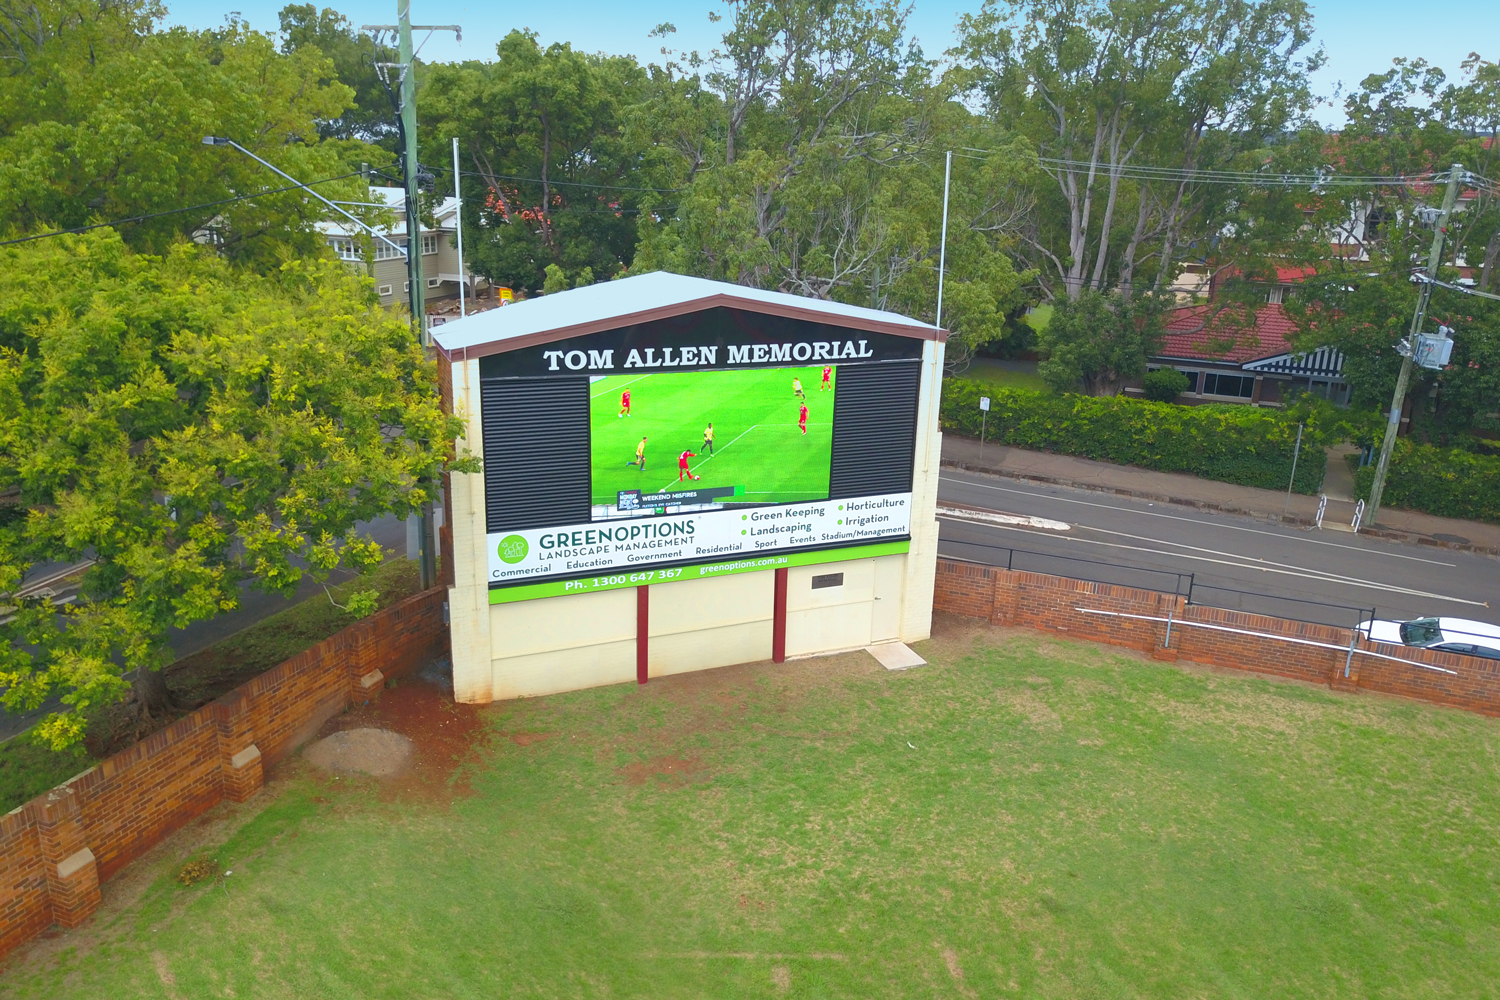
702 440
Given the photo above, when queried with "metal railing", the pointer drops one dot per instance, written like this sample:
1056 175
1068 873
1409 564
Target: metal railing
1302 604
1185 585
1029 561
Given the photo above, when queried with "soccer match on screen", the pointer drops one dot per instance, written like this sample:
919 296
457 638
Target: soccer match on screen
749 437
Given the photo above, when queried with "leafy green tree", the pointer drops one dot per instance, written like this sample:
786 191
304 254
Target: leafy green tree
1099 341
182 425
1102 87
811 158
1364 242
370 115
546 131
102 117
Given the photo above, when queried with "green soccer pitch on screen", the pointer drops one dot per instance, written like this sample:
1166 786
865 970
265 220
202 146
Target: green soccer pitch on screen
767 433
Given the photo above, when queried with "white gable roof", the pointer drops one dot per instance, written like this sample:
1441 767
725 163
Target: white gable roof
644 297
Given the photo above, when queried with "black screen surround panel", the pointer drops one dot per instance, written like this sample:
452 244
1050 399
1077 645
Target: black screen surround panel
536 452
874 429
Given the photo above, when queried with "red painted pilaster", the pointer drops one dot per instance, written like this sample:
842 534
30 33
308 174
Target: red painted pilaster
778 620
642 631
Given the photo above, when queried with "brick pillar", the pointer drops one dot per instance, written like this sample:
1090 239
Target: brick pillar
240 767
1003 607
72 874
362 655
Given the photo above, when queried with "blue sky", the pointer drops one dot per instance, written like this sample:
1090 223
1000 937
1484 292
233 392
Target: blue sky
1361 36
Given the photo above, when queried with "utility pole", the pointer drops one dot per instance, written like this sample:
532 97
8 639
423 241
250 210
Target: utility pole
417 296
406 97
1424 294
416 286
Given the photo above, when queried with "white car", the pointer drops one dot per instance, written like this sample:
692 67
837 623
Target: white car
1451 635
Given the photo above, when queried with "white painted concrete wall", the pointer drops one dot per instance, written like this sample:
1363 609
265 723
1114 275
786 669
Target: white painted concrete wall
530 648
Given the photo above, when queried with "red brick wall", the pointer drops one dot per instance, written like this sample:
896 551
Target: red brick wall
128 803
1285 648
25 905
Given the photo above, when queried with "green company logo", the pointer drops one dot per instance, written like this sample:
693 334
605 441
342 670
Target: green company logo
513 549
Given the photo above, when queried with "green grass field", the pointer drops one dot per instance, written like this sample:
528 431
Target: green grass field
1021 818
757 443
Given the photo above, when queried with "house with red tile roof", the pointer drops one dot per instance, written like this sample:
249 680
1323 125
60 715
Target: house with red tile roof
1231 357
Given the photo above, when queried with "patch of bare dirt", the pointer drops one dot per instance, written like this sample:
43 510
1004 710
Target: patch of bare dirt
673 770
379 753
444 734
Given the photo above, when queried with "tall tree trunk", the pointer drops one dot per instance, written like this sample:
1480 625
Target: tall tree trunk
1491 258
150 692
1127 267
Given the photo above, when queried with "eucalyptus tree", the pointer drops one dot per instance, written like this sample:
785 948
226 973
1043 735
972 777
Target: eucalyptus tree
1122 98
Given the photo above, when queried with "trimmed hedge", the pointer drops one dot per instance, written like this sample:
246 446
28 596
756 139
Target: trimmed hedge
1229 443
1442 481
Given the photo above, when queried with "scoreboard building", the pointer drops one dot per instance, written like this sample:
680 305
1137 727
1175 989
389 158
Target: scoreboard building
682 474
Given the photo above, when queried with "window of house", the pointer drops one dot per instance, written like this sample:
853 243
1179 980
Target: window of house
346 249
1274 294
1216 384
385 290
434 282
1193 379
406 286
384 250
429 243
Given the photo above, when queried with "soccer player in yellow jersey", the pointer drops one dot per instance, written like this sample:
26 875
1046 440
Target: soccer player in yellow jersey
640 455
708 440
797 388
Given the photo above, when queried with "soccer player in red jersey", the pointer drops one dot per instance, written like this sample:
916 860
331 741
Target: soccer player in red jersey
802 419
624 404
827 374
682 466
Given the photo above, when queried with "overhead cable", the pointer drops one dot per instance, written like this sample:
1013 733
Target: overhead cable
556 183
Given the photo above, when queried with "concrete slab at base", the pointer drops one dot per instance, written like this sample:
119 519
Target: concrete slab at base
896 656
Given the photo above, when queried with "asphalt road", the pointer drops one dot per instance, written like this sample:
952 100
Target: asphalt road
1292 572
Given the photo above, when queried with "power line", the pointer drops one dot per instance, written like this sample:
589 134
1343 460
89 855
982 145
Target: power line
1319 179
556 183
171 211
1421 277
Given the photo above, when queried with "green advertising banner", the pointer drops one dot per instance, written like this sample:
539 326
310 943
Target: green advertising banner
672 574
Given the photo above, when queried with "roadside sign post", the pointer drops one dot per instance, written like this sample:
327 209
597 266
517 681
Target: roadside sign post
984 414
1295 453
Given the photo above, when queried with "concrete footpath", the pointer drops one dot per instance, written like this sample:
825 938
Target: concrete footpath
1173 487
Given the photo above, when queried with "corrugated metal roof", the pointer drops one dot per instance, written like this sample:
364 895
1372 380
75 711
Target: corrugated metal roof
643 297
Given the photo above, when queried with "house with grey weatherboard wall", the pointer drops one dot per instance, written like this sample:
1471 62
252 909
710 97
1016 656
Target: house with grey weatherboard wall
441 268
